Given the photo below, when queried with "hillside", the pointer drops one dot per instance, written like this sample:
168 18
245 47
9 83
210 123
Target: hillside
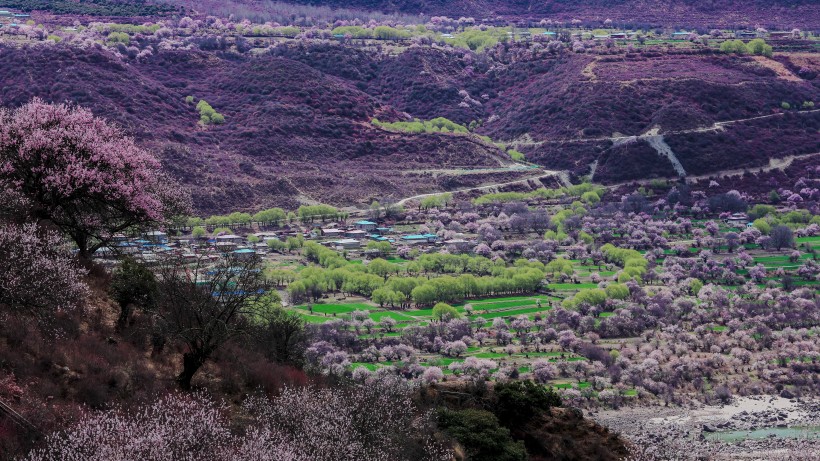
566 112
313 104
683 13
319 142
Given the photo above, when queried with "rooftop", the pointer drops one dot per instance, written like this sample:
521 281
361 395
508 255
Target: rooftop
419 236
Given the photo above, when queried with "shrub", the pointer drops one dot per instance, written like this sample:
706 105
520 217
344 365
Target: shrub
444 312
517 402
207 114
759 47
175 427
481 434
734 46
515 155
118 37
132 285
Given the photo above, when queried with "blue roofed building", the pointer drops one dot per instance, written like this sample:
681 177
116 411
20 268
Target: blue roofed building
243 253
365 225
419 238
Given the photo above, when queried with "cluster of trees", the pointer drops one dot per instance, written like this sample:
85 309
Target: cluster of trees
436 201
207 114
309 213
588 192
757 47
380 281
377 421
270 216
436 125
398 286
381 32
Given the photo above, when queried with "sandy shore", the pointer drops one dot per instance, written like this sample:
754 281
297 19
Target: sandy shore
678 433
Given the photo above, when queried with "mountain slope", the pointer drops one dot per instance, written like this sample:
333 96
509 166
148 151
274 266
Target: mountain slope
291 133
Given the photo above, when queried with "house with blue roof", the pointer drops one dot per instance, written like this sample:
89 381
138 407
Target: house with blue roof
365 225
419 238
243 253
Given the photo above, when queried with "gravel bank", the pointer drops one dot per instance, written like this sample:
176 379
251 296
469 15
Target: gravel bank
687 433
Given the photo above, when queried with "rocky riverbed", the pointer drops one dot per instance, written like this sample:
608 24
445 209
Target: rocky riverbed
750 428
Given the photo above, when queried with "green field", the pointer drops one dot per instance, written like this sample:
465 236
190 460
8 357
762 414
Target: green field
571 286
397 316
512 312
337 308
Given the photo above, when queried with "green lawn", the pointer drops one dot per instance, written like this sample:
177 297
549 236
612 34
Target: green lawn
420 312
314 318
571 286
581 385
508 304
512 312
337 308
509 298
369 366
397 316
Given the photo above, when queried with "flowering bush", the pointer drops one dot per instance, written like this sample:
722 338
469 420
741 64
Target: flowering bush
172 428
39 276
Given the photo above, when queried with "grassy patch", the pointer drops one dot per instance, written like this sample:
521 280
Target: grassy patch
337 308
571 286
397 316
512 312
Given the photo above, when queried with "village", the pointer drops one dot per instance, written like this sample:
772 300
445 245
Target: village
356 239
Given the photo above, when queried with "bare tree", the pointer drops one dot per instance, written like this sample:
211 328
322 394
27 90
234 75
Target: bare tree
782 237
204 306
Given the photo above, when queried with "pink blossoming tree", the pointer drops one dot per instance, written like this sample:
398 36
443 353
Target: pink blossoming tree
81 174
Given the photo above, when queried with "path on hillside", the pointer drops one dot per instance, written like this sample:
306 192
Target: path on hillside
514 168
717 126
774 164
659 144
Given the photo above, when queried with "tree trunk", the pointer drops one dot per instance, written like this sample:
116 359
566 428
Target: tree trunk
191 363
83 254
125 315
